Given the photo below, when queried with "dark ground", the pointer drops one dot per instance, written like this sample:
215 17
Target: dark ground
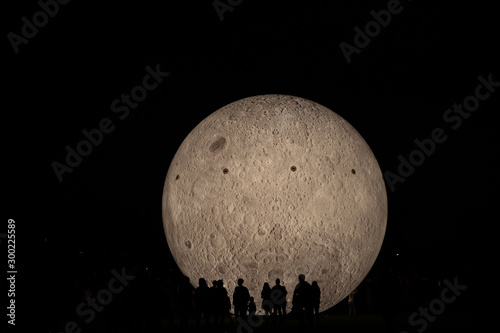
362 323
373 323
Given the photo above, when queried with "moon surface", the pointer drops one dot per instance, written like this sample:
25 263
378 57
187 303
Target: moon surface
274 186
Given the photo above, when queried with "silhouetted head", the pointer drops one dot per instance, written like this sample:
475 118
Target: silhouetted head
266 285
214 283
302 277
202 282
251 299
314 284
185 279
220 283
240 282
278 281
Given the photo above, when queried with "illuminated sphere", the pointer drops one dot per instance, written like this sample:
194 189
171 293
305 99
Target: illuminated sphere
274 186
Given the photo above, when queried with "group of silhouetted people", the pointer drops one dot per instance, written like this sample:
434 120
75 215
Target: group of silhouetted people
306 300
209 302
213 304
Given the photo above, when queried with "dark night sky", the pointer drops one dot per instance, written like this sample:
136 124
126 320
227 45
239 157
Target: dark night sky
394 91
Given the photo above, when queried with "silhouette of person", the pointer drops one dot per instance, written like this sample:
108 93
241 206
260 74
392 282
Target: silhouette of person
301 302
202 303
300 294
222 305
278 295
352 305
186 293
265 294
252 308
315 299
241 296
218 305
227 302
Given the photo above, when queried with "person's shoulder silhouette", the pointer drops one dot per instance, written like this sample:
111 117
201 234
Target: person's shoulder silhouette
219 294
301 293
202 293
266 291
315 289
315 292
278 285
241 294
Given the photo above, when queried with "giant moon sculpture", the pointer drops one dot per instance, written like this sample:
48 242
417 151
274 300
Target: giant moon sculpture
273 186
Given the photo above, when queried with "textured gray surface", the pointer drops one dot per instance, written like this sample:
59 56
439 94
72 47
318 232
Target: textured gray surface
233 206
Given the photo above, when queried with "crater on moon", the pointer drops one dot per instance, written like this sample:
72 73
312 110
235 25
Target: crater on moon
218 144
273 186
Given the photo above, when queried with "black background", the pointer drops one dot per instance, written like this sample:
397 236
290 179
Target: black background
442 219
